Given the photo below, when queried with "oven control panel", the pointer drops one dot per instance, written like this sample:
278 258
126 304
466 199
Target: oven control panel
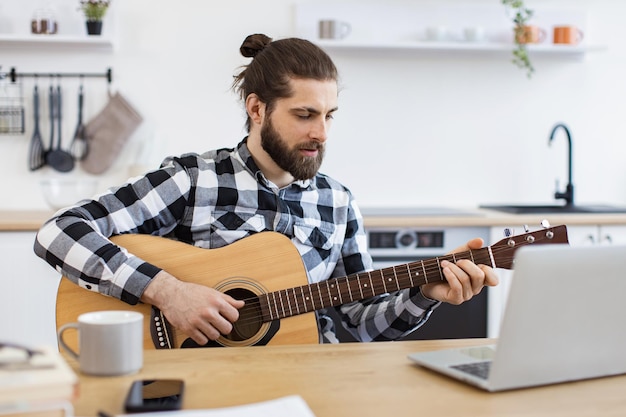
420 242
405 239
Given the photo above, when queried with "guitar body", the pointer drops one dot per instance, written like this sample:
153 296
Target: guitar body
262 263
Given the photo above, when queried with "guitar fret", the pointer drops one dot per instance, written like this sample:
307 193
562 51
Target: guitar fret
305 299
379 286
402 279
319 292
349 289
282 305
335 285
372 289
441 277
266 311
358 278
383 278
288 302
295 300
493 262
408 269
312 298
425 274
330 297
273 309
278 305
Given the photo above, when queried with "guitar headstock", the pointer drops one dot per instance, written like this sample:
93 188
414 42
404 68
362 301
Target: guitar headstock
504 250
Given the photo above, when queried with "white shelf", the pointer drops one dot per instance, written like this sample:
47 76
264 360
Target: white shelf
426 46
56 41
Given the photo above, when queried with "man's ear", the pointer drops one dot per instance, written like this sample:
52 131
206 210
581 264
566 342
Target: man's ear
255 108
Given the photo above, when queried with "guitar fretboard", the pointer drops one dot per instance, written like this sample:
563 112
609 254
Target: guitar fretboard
337 291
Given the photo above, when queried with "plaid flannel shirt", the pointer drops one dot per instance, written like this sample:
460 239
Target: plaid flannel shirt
210 201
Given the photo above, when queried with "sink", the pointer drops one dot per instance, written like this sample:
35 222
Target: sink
554 208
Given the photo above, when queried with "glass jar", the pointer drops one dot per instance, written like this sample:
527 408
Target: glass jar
44 22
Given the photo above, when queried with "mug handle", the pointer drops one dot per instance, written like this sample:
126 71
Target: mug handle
542 35
346 28
62 342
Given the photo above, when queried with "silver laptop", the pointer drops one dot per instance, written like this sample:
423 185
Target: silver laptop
565 320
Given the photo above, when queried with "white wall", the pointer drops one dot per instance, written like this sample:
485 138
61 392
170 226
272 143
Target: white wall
412 129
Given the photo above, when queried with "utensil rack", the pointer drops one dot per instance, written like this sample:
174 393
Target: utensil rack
12 99
14 75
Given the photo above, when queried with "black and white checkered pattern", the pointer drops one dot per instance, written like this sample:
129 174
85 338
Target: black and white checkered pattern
210 201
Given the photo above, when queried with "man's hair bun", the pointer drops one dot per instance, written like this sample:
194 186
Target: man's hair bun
253 44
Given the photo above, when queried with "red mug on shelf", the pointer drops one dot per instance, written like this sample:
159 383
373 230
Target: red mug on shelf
566 34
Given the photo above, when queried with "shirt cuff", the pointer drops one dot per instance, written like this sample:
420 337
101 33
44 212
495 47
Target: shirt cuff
421 301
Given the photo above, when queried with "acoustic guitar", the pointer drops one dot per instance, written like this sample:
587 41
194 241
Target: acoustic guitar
266 270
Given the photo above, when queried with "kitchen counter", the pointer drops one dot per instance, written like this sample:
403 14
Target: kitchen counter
27 220
484 217
13 220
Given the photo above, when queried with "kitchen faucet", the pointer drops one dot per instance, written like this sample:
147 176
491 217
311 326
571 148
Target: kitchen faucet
568 195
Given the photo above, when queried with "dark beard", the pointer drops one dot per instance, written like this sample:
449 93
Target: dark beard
290 160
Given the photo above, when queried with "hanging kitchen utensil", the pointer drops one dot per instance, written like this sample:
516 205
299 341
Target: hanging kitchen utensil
36 152
52 116
11 107
79 146
57 158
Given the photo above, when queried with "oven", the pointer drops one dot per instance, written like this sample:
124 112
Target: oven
394 246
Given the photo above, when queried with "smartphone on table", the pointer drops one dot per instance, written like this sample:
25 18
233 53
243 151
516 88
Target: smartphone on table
154 395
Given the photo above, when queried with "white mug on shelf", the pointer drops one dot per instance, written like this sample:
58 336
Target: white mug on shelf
334 29
110 342
474 34
437 33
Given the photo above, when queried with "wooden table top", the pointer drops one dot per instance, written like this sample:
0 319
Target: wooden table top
350 379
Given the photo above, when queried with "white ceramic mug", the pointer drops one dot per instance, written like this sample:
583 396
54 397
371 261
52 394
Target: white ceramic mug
437 33
474 34
334 29
110 342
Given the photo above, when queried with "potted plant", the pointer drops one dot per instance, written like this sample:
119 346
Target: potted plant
521 15
94 11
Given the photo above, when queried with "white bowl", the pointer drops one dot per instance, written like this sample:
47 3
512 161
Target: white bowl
64 192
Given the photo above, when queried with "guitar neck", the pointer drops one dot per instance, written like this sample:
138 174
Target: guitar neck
337 291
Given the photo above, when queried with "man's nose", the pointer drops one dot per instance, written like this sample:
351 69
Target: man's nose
319 132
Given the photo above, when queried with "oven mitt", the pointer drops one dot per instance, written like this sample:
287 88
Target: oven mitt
108 132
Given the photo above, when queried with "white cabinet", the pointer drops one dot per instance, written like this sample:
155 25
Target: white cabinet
28 288
597 235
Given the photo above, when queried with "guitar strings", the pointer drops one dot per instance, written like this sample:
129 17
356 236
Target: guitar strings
400 273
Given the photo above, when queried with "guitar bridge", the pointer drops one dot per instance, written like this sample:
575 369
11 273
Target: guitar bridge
160 330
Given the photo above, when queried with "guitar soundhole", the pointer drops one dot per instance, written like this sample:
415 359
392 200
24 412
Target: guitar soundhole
249 322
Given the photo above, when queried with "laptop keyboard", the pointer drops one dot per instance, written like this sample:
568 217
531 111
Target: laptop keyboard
479 369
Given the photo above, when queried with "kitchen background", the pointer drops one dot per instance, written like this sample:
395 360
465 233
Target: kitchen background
415 127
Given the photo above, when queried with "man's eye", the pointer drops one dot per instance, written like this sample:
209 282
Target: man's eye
330 116
304 116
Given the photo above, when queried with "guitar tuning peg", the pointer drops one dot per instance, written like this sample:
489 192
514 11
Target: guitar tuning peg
545 224
508 232
526 228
